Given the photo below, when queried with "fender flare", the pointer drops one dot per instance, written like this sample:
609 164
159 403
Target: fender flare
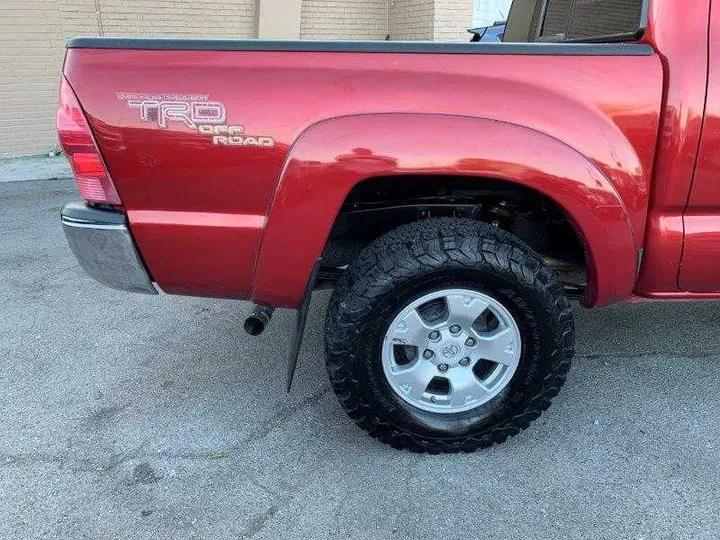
333 156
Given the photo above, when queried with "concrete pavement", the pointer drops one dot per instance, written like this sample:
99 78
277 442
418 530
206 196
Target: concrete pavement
50 167
136 417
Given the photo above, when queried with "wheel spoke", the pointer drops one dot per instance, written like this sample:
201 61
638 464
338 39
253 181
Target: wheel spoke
411 330
498 347
464 309
413 380
466 387
433 345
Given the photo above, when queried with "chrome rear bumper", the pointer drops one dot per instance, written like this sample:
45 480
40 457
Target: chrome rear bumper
101 243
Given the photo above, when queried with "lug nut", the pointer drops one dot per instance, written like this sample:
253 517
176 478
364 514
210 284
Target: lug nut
465 362
455 329
434 335
443 368
428 354
470 342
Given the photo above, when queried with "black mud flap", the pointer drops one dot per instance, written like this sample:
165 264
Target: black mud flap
300 319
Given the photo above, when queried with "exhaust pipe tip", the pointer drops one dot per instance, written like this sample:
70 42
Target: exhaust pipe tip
254 326
258 320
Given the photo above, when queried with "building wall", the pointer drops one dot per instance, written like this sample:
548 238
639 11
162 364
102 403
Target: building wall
344 19
33 35
411 20
452 19
169 18
279 20
32 40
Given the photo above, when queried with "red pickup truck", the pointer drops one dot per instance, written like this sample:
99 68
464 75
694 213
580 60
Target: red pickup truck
456 196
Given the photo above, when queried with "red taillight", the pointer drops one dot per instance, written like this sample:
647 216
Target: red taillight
91 176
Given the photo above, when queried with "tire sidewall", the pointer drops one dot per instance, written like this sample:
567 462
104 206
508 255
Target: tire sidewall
524 306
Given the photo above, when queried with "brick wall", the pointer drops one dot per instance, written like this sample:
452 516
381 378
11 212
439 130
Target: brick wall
438 20
189 18
411 19
452 19
33 34
32 38
344 19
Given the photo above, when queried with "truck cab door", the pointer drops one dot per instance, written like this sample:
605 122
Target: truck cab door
699 270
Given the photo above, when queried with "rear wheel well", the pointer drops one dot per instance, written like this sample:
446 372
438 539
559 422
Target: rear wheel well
378 205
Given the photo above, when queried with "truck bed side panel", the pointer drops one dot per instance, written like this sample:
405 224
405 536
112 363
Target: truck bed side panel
197 210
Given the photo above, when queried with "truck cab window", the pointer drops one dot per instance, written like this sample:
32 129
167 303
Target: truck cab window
573 20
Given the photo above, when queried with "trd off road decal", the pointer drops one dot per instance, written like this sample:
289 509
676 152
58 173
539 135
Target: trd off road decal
195 111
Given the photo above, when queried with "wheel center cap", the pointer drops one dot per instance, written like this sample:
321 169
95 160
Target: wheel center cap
450 350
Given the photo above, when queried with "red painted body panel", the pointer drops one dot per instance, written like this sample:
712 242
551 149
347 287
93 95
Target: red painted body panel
701 255
679 32
625 144
195 209
199 253
332 157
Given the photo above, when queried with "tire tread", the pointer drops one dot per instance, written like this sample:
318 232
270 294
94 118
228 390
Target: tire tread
426 246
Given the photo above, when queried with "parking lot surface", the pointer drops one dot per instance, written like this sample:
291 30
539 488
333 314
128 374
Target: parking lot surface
127 416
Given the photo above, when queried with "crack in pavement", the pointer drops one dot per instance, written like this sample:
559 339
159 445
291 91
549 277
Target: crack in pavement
281 416
256 524
84 464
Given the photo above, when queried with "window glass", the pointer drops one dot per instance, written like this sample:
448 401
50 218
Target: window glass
570 20
604 18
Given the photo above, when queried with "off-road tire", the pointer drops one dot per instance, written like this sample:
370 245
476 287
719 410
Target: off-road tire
433 254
